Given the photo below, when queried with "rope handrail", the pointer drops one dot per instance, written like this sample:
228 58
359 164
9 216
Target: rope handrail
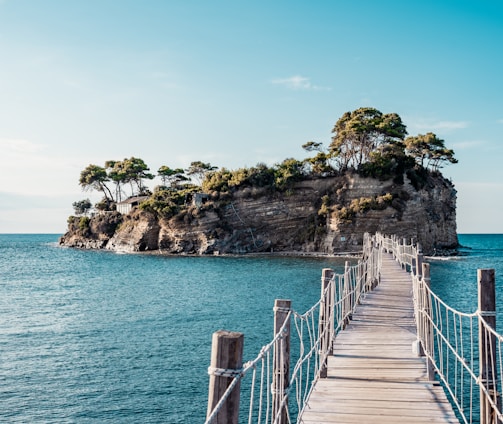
463 350
313 332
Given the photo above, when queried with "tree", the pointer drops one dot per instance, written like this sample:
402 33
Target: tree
199 169
311 146
135 170
128 171
287 172
171 177
318 164
390 160
94 177
116 174
82 207
359 133
428 147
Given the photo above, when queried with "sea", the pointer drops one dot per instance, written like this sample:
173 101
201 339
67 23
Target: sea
101 337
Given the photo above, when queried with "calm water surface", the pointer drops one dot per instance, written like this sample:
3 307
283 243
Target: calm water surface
97 337
455 279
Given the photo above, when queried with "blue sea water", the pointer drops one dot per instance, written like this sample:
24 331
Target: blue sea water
455 279
98 337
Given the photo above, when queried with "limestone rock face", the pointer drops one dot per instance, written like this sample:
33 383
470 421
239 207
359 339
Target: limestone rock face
305 219
91 233
427 216
139 232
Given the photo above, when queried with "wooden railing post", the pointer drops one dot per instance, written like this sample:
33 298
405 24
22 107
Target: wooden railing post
487 344
281 361
427 321
419 261
369 271
326 322
402 253
375 266
226 360
346 296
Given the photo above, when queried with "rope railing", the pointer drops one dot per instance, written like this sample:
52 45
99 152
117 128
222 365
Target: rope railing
265 390
463 350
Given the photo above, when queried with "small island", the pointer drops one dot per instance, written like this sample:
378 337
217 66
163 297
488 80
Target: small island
372 177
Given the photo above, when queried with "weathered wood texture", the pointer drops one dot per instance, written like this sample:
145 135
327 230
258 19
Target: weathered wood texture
281 361
487 342
373 375
226 354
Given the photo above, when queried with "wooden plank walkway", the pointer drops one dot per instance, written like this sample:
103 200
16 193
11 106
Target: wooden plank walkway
374 375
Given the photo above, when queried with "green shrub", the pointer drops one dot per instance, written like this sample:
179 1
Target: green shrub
389 163
364 204
418 177
287 172
217 180
84 223
346 214
324 208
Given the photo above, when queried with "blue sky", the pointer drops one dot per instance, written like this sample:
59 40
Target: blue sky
235 83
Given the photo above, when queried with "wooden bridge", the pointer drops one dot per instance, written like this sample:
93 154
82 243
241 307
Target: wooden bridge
374 375
379 346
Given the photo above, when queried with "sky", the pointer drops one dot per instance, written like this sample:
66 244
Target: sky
235 83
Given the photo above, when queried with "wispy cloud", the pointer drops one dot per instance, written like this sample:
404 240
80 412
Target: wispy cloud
446 125
465 145
422 125
298 82
500 121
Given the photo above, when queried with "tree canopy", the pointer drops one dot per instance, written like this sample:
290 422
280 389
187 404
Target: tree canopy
199 169
370 142
129 171
429 151
82 207
171 177
359 133
94 177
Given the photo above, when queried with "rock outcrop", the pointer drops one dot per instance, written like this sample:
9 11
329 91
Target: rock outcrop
325 215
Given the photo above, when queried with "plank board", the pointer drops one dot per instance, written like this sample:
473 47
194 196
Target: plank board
373 374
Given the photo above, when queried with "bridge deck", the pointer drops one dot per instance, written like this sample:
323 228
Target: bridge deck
374 375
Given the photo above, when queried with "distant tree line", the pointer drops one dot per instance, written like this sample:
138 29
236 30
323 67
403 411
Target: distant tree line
365 140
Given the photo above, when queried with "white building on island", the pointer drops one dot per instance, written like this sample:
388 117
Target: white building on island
127 205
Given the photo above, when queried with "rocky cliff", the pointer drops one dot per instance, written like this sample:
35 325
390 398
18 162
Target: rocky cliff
324 215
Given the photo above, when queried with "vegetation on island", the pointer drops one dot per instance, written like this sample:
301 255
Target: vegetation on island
365 141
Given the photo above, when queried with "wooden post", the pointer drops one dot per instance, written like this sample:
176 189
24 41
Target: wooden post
325 323
375 265
371 267
358 282
419 261
487 344
402 253
226 358
427 322
281 361
346 296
